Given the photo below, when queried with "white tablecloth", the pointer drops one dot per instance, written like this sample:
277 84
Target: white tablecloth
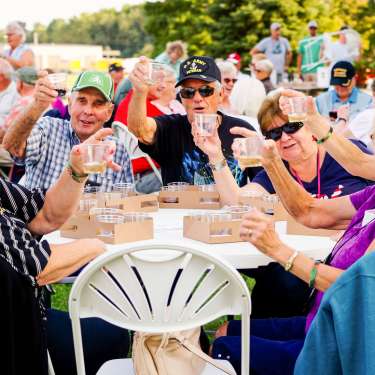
168 225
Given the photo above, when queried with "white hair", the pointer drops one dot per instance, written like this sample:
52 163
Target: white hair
17 28
226 67
6 69
247 96
264 65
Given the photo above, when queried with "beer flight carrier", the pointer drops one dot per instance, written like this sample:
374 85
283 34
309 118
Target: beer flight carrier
124 216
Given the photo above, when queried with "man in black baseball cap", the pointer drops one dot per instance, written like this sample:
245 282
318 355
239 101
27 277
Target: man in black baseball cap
345 93
175 141
116 71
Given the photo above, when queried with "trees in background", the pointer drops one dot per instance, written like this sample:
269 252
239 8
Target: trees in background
213 27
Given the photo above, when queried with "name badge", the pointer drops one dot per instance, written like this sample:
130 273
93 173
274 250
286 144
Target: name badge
368 217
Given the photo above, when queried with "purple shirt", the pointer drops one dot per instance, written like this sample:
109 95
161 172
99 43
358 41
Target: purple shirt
353 243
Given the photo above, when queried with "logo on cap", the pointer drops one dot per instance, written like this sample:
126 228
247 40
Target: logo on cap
96 79
340 73
195 66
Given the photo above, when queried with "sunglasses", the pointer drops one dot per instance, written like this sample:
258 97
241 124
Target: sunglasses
228 80
288 128
204 92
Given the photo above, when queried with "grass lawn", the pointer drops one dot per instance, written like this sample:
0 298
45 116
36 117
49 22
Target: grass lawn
60 302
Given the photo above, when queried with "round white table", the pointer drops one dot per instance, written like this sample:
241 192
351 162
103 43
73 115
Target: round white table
168 228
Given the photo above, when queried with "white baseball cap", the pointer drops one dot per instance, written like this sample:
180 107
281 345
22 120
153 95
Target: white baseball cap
275 26
312 24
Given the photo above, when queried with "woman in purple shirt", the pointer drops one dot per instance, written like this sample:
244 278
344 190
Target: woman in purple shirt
276 343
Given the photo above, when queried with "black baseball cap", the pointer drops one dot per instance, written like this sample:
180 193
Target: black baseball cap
115 67
342 73
203 68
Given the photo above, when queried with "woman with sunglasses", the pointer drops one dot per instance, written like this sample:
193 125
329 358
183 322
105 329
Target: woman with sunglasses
228 80
314 170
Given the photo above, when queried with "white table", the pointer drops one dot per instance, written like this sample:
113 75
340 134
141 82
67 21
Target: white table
168 225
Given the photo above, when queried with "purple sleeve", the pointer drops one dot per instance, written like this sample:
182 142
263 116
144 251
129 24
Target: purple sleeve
361 196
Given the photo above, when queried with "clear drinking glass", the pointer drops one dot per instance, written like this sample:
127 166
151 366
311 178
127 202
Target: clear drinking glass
124 188
132 217
248 151
94 157
103 220
85 205
237 212
59 81
206 123
298 108
269 203
156 73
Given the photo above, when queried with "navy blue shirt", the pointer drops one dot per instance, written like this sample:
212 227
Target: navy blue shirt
335 181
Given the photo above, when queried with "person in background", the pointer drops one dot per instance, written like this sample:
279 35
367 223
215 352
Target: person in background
167 102
309 52
116 71
18 54
235 59
228 80
344 92
277 49
173 55
257 57
263 70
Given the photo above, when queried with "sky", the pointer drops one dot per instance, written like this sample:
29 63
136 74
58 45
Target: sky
44 11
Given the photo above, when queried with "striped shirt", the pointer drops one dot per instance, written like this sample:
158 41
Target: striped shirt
18 247
48 151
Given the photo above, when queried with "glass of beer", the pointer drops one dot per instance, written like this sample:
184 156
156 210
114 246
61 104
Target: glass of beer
156 73
59 81
94 157
124 188
206 123
248 151
298 109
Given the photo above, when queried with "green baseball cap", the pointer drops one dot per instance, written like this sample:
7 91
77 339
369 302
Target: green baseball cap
27 74
98 80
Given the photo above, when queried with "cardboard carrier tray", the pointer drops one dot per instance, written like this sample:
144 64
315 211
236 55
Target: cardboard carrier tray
131 203
192 197
83 226
213 233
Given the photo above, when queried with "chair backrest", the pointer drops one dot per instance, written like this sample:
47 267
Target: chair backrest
125 136
158 288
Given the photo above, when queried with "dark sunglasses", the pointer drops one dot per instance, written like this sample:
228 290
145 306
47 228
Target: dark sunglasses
227 80
288 128
189 92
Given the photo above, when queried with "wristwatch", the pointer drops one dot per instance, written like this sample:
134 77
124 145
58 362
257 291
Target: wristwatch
218 166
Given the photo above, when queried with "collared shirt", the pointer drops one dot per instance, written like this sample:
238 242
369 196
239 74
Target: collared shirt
18 246
48 151
329 101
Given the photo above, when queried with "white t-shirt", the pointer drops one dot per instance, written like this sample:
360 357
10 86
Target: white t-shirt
361 126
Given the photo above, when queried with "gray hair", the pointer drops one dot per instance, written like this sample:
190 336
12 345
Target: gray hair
226 67
6 69
17 28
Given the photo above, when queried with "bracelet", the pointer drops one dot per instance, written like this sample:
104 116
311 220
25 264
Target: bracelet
289 263
322 140
313 273
74 175
216 167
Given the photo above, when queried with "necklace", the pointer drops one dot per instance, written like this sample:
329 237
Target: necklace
317 172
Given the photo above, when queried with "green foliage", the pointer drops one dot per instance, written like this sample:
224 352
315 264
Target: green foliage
120 30
213 27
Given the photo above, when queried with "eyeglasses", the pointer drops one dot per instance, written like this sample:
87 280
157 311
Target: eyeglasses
189 92
228 80
288 128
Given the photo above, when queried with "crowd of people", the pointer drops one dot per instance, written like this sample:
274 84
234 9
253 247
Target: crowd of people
321 168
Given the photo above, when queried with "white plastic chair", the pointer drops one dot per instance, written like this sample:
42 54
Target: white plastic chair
158 288
131 144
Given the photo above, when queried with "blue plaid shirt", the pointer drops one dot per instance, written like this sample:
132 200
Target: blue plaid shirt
47 153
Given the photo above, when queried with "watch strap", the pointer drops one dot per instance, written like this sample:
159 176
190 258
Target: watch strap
218 166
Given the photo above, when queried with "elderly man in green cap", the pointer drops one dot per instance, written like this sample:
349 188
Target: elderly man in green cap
43 144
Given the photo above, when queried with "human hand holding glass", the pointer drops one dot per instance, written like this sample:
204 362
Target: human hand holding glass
248 151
